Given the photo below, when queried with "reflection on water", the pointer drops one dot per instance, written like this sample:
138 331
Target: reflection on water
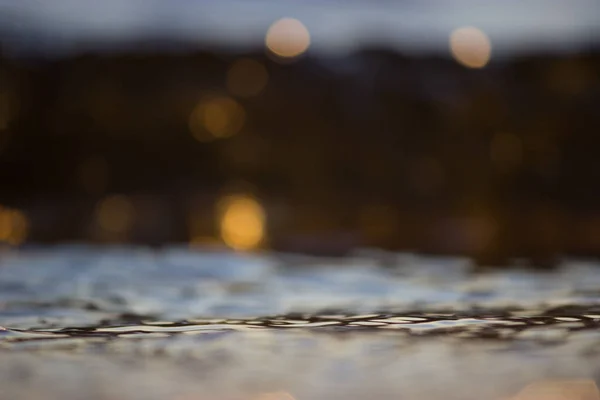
133 323
484 324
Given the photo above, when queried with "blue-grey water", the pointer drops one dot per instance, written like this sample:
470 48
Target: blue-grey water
135 323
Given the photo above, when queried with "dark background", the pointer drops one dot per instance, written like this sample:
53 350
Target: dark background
375 148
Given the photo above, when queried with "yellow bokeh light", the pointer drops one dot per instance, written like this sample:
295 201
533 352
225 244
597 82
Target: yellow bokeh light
287 38
471 47
115 214
14 226
246 77
216 118
242 222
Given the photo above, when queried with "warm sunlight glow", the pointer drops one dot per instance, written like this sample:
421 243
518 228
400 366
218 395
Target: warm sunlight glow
242 222
471 47
246 78
115 214
287 38
216 118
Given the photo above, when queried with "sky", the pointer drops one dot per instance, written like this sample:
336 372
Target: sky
336 26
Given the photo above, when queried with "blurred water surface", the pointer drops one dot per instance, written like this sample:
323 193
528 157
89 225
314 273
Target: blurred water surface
129 323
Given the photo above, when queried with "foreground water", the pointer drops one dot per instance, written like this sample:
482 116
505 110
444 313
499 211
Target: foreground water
132 323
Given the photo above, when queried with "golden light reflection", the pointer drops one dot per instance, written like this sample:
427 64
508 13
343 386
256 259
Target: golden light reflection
242 222
471 47
246 78
506 151
93 175
584 389
115 214
14 226
216 118
287 38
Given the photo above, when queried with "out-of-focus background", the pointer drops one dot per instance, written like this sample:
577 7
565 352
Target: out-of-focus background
454 127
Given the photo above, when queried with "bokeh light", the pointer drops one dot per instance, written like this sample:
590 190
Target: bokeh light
471 47
242 222
115 214
14 226
246 78
287 38
216 117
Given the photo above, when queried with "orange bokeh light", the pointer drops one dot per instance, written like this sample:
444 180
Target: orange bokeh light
242 222
471 47
288 38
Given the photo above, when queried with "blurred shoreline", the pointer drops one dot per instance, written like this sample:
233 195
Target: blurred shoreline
375 149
